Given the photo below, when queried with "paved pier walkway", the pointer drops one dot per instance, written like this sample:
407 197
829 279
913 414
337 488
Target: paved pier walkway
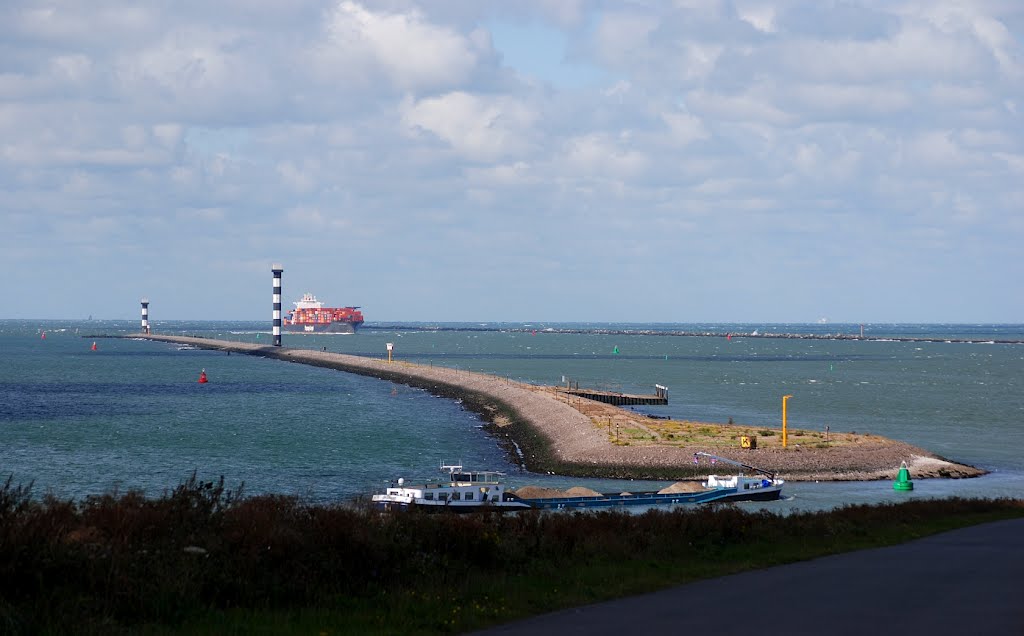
968 581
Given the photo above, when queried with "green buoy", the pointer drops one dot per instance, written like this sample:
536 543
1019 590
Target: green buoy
903 482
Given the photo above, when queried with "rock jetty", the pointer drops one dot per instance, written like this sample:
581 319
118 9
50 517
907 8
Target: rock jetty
545 433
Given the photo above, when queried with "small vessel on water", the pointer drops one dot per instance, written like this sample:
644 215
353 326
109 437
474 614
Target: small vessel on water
310 316
474 491
461 491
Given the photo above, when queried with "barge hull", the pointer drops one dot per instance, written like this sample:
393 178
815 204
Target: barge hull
654 499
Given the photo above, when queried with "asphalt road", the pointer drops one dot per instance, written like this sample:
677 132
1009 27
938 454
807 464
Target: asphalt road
968 581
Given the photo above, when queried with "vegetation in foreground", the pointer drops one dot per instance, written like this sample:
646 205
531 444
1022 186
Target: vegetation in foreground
202 559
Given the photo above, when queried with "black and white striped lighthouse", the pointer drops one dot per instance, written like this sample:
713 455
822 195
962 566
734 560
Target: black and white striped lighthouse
277 268
145 316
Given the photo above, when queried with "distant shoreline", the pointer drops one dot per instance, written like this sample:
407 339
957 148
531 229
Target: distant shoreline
700 334
547 435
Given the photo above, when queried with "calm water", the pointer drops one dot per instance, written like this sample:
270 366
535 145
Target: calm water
131 414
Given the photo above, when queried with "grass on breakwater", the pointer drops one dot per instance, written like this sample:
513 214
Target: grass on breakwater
203 559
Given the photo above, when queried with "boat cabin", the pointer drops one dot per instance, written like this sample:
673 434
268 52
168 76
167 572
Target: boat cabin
739 482
461 487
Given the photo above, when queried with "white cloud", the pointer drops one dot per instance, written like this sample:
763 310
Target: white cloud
403 48
753 105
601 155
480 128
621 37
169 135
935 148
759 16
914 52
851 100
504 175
685 128
300 178
201 215
1015 162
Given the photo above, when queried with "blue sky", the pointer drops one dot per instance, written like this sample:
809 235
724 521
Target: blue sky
692 161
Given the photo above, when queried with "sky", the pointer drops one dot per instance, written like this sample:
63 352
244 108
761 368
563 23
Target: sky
641 161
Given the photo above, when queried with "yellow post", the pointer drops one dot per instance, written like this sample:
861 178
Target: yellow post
785 398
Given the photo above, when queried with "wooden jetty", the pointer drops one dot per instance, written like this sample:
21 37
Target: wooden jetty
619 399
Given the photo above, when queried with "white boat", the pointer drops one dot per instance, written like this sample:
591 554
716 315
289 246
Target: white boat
460 491
476 491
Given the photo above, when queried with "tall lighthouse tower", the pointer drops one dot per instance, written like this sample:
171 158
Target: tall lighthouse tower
277 269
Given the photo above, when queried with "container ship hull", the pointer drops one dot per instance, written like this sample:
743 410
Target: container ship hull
310 316
330 327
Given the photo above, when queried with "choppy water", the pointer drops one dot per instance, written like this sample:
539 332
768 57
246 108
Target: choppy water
131 414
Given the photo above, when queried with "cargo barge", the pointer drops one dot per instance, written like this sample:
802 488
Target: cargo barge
485 491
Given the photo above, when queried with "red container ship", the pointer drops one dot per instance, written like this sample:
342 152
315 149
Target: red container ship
310 316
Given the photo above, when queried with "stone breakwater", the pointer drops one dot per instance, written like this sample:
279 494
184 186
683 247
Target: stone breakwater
547 434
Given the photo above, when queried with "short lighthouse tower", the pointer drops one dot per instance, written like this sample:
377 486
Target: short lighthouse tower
145 316
277 269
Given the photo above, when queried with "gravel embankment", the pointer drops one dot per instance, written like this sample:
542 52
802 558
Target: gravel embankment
556 437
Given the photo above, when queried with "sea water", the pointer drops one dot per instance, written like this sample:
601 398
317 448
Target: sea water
131 415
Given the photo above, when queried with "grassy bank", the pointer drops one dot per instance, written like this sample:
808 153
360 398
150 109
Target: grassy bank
202 559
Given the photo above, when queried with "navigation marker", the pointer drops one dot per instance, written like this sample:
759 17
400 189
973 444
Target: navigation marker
277 269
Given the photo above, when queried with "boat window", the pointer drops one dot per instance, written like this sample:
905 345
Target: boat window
442 496
469 496
494 497
428 496
460 477
456 495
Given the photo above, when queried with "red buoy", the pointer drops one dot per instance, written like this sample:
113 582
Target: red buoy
202 377
43 336
94 346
